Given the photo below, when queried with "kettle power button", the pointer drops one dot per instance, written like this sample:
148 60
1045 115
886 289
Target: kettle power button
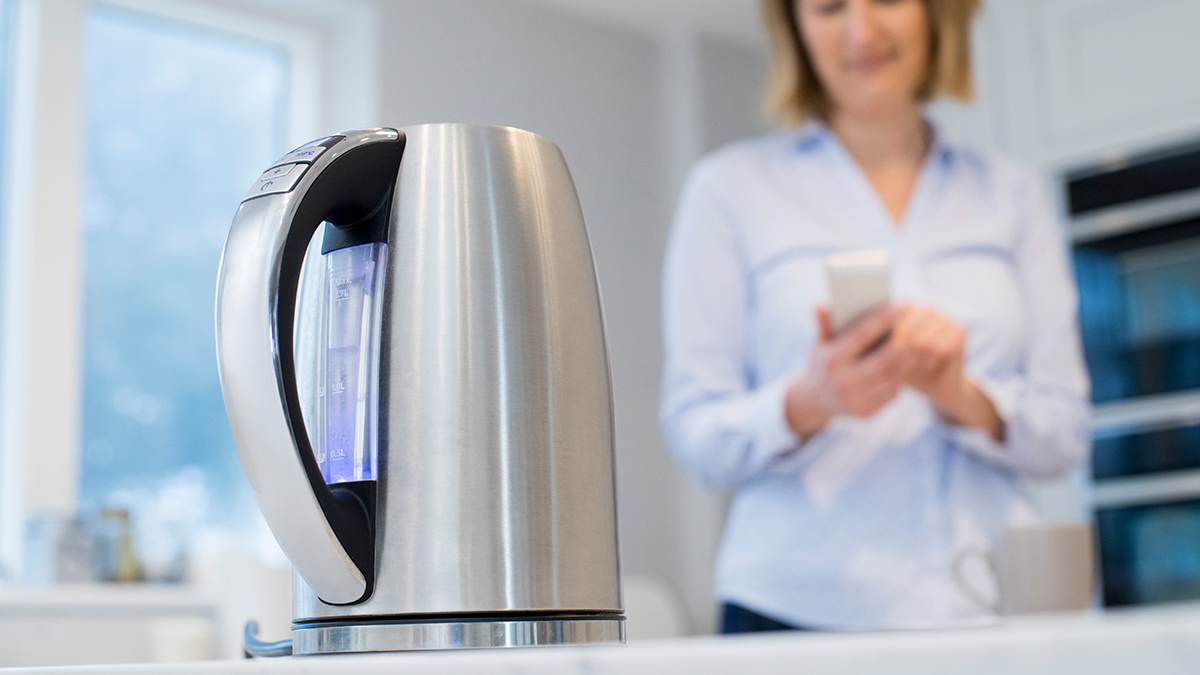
277 179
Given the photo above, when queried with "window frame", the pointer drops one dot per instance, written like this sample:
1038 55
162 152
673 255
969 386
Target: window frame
41 417
14 246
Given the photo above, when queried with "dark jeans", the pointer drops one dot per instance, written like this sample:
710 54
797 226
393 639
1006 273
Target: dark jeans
738 619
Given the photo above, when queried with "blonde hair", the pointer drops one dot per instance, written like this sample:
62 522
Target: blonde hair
794 92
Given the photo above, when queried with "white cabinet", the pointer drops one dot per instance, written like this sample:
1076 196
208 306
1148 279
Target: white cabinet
1115 71
1068 82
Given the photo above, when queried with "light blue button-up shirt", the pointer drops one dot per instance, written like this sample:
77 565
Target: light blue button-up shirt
860 526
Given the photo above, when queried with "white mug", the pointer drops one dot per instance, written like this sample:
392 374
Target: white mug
1047 567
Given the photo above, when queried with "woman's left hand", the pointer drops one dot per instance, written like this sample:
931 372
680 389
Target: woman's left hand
935 347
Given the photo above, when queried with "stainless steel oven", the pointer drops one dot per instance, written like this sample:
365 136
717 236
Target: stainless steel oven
1135 230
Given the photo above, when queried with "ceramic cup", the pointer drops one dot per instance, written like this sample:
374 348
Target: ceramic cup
1047 567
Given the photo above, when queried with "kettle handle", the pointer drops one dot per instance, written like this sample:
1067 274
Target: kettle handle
348 181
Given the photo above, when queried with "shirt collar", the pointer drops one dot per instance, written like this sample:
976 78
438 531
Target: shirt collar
811 135
814 133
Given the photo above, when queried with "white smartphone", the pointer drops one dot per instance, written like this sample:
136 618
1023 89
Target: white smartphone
858 284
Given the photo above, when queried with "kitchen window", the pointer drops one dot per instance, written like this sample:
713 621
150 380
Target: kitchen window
178 121
141 124
8 73
7 49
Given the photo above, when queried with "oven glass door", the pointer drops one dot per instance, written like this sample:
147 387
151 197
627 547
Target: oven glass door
1139 311
1150 553
1153 451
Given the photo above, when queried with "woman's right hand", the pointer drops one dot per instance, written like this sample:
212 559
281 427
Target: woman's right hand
847 376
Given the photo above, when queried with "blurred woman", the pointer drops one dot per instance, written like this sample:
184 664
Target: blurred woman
862 472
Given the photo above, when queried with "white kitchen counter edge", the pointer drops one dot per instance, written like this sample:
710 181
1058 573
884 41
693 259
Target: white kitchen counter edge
1162 640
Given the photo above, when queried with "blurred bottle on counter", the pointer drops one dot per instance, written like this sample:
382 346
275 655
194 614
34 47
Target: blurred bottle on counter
59 549
116 560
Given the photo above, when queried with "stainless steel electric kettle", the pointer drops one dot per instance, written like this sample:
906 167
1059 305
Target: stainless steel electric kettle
412 354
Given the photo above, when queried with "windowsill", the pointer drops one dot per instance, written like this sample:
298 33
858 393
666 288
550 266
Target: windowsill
97 599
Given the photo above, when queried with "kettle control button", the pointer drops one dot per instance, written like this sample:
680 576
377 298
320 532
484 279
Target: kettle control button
307 153
277 172
277 179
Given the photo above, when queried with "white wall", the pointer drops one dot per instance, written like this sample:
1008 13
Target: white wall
733 74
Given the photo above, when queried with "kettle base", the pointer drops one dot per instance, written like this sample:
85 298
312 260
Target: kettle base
391 635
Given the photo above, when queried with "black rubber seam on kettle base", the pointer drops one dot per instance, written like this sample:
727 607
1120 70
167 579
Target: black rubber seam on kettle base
464 617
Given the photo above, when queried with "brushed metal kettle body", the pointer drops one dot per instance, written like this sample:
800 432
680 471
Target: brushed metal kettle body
486 515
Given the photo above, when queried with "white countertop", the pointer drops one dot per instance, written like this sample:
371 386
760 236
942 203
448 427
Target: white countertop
1162 640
